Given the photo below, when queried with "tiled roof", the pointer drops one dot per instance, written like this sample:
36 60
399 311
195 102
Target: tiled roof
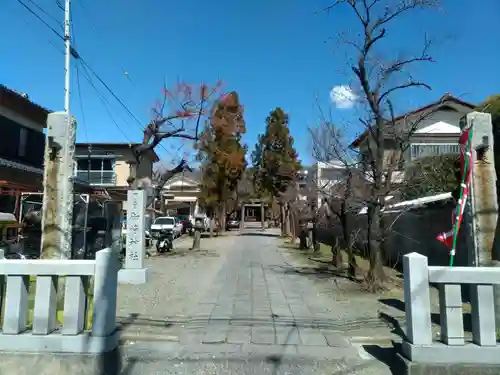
20 166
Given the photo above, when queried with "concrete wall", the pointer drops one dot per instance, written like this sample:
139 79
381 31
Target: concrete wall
412 231
122 170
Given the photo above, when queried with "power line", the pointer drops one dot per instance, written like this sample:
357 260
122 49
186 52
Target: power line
104 101
81 104
110 91
96 29
78 87
47 13
87 68
75 54
120 102
40 19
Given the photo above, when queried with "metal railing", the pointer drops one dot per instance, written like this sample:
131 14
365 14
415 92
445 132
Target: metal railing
97 177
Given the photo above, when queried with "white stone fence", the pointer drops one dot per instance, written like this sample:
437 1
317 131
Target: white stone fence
419 345
46 334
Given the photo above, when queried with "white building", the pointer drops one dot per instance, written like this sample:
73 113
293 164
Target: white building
319 179
181 194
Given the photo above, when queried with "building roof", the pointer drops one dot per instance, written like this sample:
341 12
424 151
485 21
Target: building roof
117 145
441 103
19 102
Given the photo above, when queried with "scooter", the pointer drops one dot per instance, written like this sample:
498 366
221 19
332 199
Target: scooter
165 241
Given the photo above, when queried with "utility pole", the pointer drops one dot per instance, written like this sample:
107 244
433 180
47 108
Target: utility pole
57 215
67 56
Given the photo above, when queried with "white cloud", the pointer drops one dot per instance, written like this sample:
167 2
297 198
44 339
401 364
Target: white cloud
343 97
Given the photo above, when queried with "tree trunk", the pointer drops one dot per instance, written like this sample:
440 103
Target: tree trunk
337 260
287 221
346 233
282 220
309 238
262 216
211 225
162 205
314 235
303 237
222 218
376 275
196 240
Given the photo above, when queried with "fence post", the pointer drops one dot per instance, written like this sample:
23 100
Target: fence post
105 293
417 299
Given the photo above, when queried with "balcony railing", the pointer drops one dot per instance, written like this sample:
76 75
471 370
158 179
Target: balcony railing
97 177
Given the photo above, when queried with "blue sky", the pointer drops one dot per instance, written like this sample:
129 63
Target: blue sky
273 53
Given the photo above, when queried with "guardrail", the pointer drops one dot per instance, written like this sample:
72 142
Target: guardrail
30 299
453 347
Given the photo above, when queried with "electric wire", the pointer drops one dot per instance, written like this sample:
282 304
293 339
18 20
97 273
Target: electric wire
88 68
105 103
97 31
40 19
78 88
47 14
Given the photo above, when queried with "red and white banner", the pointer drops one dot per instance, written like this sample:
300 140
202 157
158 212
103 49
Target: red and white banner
465 176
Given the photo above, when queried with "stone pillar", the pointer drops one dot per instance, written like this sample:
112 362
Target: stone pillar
135 248
417 299
481 207
242 220
57 206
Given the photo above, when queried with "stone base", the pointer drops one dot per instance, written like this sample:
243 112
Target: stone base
407 367
133 276
56 343
440 353
61 364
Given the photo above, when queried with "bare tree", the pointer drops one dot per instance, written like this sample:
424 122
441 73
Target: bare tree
379 82
180 114
341 195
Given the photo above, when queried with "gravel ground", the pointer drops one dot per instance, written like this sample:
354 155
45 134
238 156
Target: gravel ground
177 281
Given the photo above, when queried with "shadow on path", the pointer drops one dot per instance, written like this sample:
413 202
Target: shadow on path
388 356
318 272
255 232
179 253
435 317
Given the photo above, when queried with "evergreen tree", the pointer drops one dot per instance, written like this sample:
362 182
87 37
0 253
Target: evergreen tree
275 162
274 158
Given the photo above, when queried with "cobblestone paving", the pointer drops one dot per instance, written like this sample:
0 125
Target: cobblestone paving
238 297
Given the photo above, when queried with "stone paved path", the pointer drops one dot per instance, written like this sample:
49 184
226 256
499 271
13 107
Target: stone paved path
237 299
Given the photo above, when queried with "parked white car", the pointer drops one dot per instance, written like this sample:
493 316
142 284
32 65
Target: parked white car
166 223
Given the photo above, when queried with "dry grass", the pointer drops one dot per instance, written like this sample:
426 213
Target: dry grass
393 284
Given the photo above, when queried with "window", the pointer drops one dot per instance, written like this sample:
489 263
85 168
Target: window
107 164
165 221
332 174
419 150
82 164
23 140
96 170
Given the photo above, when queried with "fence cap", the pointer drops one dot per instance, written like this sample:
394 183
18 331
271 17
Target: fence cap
414 255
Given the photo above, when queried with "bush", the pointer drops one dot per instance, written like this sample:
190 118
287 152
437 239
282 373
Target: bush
432 175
